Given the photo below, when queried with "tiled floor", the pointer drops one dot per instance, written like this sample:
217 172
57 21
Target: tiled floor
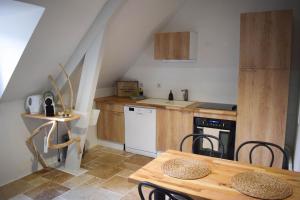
106 179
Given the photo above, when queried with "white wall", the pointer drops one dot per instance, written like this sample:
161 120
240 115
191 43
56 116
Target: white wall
213 77
15 156
16 159
128 32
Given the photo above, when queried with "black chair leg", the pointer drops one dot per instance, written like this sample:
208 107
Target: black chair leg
159 196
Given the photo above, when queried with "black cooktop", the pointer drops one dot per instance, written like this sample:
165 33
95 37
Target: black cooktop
217 106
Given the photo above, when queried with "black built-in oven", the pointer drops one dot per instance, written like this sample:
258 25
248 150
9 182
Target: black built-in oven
223 129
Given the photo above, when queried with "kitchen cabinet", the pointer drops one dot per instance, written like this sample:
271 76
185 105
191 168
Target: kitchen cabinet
171 127
175 46
263 82
172 123
262 110
266 39
111 124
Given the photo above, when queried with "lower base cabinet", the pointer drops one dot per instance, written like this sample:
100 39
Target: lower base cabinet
171 127
111 125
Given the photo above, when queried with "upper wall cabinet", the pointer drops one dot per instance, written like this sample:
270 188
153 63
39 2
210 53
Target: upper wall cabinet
266 39
175 46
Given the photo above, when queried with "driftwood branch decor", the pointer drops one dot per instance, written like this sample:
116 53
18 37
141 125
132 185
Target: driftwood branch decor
53 123
70 86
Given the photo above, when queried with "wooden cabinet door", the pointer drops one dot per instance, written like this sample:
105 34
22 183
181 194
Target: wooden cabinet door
173 46
111 123
265 39
262 111
171 127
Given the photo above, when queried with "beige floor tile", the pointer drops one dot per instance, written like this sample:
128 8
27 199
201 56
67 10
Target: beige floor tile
21 197
139 160
58 198
90 193
38 181
118 184
77 180
46 191
94 182
130 166
113 151
13 189
109 158
104 171
116 151
57 176
88 157
36 174
106 159
106 179
134 194
125 173
126 154
95 148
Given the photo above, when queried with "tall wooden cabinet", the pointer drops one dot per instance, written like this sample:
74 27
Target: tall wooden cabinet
265 57
266 40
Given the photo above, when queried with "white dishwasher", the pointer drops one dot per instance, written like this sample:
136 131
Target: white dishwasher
140 130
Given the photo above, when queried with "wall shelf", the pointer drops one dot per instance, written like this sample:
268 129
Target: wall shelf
55 118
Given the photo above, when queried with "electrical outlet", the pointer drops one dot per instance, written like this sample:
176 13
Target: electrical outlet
158 85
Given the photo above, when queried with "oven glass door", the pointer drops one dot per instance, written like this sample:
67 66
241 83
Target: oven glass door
203 147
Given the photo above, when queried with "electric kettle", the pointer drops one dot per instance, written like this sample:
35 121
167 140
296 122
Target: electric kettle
33 104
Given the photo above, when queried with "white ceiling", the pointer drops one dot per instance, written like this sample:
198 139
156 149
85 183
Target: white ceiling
58 33
129 32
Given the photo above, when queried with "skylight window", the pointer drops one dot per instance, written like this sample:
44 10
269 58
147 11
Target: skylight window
17 23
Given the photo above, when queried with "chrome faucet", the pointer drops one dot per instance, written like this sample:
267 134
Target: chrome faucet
185 94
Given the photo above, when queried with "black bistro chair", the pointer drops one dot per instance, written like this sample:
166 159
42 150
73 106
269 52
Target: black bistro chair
159 193
268 146
196 139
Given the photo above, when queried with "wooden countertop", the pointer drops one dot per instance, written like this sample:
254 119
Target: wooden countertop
216 185
230 115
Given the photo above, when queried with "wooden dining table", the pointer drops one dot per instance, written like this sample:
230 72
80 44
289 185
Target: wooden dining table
216 185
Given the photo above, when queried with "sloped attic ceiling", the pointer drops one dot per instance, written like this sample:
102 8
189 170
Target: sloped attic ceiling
129 32
61 28
17 21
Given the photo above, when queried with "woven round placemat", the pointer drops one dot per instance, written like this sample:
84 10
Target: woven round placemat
182 168
261 185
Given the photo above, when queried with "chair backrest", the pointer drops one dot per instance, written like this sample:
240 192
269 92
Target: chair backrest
198 136
160 193
268 146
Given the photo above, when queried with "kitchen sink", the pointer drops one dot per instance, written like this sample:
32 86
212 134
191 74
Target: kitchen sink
164 102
